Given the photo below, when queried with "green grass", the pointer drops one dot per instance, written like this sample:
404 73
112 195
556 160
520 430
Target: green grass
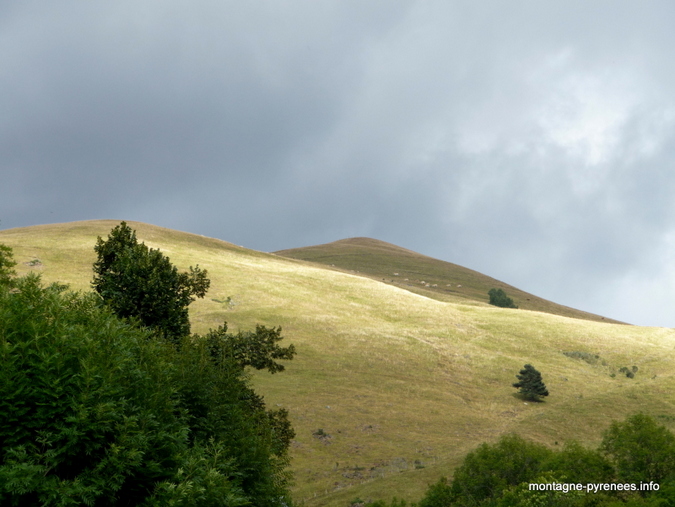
404 383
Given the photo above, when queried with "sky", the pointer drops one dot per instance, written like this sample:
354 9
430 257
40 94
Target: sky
531 141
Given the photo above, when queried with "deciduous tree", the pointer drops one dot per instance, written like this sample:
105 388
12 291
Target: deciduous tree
499 298
641 450
139 282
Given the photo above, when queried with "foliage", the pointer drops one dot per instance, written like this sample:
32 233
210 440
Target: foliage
282 430
580 465
123 267
490 469
381 503
221 405
438 495
666 493
499 298
6 265
139 282
92 412
522 496
258 349
640 449
530 383
637 501
634 451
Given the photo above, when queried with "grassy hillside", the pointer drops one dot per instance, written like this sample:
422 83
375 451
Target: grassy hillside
403 385
423 275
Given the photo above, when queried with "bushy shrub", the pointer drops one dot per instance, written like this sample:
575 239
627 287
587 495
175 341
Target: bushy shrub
579 464
629 372
634 451
438 495
220 405
490 469
499 298
94 411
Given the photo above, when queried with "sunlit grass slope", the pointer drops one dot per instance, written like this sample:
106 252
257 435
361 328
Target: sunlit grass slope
400 385
423 275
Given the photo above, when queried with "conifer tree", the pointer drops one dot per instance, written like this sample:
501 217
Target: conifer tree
530 384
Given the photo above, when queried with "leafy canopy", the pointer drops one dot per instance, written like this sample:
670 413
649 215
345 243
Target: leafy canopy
258 349
499 298
94 412
140 282
641 449
487 471
634 451
6 265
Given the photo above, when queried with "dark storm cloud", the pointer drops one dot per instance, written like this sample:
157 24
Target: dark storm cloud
125 101
531 141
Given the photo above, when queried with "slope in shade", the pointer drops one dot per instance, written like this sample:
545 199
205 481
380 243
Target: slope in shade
423 275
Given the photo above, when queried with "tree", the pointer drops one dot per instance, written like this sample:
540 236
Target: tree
641 450
580 464
489 470
139 282
530 384
437 495
499 298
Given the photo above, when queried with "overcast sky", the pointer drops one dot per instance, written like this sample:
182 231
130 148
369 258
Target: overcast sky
533 141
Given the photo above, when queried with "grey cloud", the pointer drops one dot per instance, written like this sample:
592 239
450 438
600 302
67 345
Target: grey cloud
541 131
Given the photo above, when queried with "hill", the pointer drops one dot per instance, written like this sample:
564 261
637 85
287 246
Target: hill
401 385
423 275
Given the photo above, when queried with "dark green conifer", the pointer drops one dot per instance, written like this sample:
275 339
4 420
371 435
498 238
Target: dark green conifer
530 384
